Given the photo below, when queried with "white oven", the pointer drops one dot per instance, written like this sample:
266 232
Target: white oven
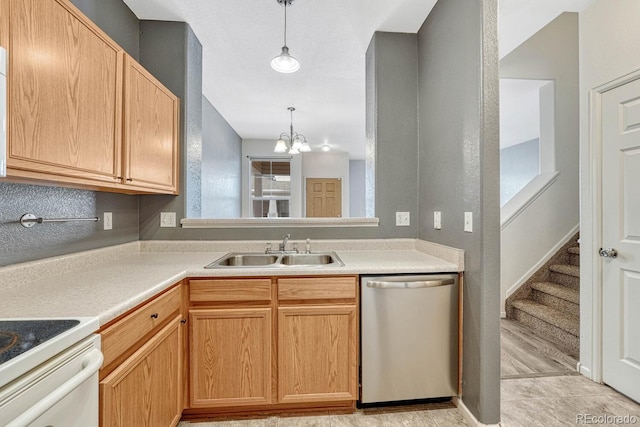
60 392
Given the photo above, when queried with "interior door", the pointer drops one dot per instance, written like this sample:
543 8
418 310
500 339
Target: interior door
324 198
621 234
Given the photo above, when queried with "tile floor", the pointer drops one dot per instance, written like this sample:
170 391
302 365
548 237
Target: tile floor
442 417
525 402
563 401
546 393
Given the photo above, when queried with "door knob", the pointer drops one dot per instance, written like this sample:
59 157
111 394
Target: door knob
608 253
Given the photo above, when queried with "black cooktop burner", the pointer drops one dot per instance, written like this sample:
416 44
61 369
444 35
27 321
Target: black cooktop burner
18 336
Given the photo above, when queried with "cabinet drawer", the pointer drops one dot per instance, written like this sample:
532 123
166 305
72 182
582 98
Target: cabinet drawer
227 290
125 333
317 288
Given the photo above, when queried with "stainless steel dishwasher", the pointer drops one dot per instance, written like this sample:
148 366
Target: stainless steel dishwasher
409 337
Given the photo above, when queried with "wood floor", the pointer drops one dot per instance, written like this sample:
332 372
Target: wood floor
524 354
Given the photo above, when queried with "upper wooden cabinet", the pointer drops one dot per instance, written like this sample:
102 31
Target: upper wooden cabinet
64 94
67 85
150 130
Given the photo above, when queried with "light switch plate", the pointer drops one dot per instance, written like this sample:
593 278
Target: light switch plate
403 219
167 219
437 220
468 222
108 221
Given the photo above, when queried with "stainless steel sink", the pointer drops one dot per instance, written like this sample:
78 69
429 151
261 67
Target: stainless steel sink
311 259
250 259
258 259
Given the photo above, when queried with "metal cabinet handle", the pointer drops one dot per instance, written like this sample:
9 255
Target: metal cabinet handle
183 321
154 316
608 253
410 285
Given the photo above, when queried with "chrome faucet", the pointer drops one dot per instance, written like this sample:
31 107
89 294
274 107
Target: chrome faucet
283 245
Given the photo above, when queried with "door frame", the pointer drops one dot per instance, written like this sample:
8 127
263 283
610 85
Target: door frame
591 296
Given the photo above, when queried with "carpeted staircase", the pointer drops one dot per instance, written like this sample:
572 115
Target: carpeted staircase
549 302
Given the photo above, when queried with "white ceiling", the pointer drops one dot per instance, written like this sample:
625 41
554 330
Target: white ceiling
329 38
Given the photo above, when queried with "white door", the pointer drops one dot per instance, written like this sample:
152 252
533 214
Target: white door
621 232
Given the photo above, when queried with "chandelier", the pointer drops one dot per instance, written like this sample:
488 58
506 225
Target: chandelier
291 142
285 63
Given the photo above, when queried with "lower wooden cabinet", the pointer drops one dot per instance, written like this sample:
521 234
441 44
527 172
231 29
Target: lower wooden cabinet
268 344
230 357
317 354
145 389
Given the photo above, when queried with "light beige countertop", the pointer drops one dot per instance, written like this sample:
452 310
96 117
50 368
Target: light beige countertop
105 283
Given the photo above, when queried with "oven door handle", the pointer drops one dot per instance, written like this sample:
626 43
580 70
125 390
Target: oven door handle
90 366
410 285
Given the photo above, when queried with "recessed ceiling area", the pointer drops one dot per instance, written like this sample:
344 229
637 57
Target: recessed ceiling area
329 38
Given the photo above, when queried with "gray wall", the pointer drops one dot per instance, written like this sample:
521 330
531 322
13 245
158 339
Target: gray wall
459 172
116 19
221 165
394 123
357 206
519 164
21 244
172 53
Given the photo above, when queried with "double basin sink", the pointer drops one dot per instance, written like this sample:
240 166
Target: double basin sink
267 260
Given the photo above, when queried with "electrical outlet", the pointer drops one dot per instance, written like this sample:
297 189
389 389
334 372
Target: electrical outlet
167 219
403 219
437 220
108 221
468 222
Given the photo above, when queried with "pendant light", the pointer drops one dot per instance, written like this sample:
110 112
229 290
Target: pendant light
292 142
285 63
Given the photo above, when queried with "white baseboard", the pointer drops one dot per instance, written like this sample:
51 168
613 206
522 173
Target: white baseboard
469 417
542 261
584 370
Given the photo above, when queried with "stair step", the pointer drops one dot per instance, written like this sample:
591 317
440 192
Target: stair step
569 270
569 341
567 275
574 250
556 318
558 291
562 298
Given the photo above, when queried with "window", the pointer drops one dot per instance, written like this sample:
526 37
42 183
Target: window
270 187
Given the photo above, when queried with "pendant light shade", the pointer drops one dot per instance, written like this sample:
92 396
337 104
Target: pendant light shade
285 63
281 146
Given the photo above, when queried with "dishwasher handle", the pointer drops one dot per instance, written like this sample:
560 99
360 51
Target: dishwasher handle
90 366
410 285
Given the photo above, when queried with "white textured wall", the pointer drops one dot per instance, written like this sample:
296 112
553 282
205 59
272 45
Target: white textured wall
550 54
609 48
327 165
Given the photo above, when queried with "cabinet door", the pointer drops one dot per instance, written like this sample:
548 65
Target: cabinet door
64 94
317 350
145 390
230 357
150 131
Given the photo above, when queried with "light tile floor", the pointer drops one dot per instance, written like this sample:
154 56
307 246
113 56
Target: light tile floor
563 401
423 418
525 402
